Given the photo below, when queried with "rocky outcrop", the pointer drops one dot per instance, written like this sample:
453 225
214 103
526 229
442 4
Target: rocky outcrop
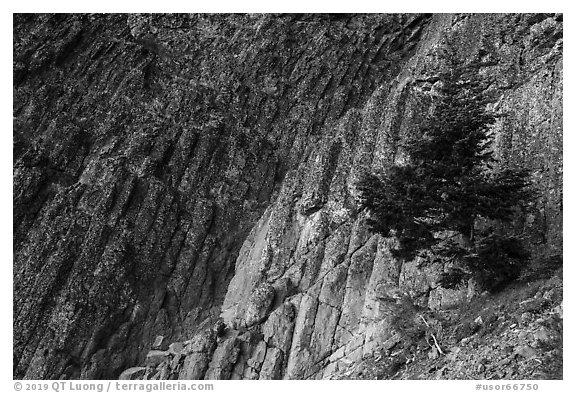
509 335
192 177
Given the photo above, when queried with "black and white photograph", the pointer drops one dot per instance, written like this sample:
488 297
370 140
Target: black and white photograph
287 196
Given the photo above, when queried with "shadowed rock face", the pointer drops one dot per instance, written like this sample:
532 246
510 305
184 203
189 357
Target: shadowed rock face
171 170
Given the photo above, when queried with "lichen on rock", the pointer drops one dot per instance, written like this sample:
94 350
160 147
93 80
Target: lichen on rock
192 176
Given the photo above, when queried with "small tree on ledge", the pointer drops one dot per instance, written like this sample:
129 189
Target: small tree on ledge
433 203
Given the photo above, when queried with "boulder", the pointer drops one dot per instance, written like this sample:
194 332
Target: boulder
259 305
160 343
526 352
132 373
155 357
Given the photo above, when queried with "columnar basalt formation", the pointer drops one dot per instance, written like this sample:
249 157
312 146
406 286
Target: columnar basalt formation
186 183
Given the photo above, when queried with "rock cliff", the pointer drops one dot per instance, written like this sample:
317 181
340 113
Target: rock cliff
184 200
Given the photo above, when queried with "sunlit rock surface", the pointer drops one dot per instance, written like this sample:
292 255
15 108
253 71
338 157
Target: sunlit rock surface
192 177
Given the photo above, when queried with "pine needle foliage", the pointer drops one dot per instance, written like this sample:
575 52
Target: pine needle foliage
448 183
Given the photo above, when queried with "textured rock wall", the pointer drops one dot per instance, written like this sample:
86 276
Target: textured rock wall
173 170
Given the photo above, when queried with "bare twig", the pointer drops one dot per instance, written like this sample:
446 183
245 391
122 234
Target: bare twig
433 337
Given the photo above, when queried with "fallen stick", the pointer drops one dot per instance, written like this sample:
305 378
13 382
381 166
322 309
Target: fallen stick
433 337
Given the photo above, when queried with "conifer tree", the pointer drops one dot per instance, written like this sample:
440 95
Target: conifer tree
432 204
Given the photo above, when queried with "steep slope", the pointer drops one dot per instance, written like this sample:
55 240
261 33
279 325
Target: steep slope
514 334
189 179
